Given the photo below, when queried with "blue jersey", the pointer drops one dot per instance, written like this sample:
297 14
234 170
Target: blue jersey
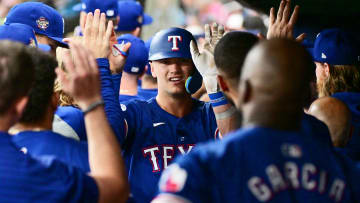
48 143
263 165
25 179
74 118
154 137
352 100
69 122
147 93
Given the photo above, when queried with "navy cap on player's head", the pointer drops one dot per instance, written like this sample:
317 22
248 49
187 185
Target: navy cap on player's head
171 43
42 18
19 33
132 16
147 45
138 54
109 7
336 47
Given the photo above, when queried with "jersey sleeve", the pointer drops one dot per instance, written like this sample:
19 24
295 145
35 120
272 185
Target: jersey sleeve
111 100
214 131
132 116
116 78
183 181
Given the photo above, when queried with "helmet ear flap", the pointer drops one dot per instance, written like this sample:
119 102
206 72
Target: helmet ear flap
193 83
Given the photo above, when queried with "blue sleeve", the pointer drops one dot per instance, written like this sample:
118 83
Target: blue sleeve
183 180
111 100
212 121
116 78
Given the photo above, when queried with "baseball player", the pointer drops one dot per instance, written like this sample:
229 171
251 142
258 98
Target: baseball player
109 7
271 159
33 133
25 179
46 22
148 88
132 18
172 123
134 67
337 60
70 116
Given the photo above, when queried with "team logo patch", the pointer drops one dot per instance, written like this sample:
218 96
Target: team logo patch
42 23
32 42
173 179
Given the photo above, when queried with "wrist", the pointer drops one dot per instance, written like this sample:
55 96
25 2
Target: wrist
85 103
92 106
217 99
211 85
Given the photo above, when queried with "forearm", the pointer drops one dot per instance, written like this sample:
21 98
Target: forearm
227 118
106 163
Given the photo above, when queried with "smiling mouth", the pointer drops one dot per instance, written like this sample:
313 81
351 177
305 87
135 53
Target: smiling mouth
176 79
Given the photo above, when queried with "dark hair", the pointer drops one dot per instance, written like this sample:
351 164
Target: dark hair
230 53
43 88
16 73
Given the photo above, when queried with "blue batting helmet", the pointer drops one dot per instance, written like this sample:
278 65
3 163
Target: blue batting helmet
175 43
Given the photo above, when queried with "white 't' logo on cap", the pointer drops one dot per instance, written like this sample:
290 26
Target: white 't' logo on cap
175 40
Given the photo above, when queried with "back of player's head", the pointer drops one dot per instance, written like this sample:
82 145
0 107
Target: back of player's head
41 93
230 53
132 16
16 73
336 115
138 54
279 71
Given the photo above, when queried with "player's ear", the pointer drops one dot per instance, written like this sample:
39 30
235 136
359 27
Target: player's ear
152 69
327 69
117 20
223 84
19 106
244 93
136 32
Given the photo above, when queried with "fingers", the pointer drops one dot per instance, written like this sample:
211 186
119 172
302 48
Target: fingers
88 25
301 38
109 31
286 13
207 34
294 16
80 58
69 64
95 24
194 49
280 11
102 25
272 16
214 31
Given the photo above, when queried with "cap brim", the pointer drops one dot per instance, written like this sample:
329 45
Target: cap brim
60 42
77 7
147 19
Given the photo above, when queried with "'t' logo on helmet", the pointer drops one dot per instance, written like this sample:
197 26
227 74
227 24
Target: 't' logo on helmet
175 40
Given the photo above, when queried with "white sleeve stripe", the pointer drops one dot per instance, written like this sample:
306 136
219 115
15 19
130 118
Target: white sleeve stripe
169 198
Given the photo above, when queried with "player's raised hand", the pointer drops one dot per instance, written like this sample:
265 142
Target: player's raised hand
97 34
118 55
282 25
81 74
204 61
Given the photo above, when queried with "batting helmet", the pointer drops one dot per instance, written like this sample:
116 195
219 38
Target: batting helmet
175 43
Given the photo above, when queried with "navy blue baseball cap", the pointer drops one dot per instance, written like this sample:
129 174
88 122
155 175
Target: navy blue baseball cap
147 45
336 47
132 16
19 33
138 54
42 18
109 7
